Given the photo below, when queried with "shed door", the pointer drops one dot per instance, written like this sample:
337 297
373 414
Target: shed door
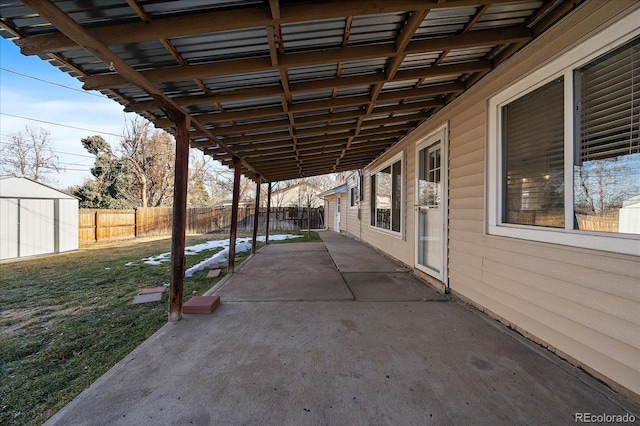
9 228
37 227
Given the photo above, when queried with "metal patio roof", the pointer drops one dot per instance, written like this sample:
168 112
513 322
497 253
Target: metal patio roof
291 88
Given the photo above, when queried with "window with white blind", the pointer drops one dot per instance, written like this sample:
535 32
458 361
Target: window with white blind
564 148
607 167
533 146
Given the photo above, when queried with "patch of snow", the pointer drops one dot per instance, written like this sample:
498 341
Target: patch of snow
242 245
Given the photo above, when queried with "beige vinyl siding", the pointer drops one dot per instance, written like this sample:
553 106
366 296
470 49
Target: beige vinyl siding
582 303
351 224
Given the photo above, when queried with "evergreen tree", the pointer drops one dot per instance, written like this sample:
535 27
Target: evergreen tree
111 185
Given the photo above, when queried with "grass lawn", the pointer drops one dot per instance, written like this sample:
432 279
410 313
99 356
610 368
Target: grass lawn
65 320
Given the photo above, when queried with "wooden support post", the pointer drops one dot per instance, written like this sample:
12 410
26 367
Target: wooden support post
266 231
178 231
237 167
256 216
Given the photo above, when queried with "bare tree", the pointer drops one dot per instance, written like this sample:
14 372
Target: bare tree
603 185
199 174
221 185
149 155
29 154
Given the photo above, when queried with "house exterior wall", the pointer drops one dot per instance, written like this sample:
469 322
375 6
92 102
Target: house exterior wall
330 202
351 222
582 303
296 196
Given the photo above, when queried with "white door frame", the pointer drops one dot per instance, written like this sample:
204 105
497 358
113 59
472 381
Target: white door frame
440 136
336 222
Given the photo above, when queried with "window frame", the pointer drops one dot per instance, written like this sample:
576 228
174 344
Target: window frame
390 162
353 197
606 41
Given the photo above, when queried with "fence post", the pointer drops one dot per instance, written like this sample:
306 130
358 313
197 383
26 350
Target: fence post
95 220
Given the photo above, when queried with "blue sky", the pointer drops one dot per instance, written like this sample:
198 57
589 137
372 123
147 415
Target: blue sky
26 97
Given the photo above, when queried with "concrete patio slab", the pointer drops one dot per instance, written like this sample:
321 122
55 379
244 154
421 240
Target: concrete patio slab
351 256
390 286
279 272
340 362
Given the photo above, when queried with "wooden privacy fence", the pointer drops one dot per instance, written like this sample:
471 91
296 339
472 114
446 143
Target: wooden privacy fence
101 224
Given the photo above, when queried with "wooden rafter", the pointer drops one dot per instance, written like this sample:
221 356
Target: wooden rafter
290 118
230 20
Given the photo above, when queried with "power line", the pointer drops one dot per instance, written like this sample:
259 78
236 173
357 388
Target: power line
61 125
54 84
58 152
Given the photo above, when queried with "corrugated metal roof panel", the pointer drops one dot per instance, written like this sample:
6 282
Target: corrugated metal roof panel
419 60
312 96
369 66
445 21
201 109
159 8
310 73
224 45
255 79
262 119
507 14
312 35
438 80
353 91
251 103
375 28
397 85
456 56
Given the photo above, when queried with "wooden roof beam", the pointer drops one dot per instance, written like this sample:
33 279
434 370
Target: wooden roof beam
229 20
339 82
325 105
73 30
330 56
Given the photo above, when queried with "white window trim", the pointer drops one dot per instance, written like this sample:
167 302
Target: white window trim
607 40
357 201
390 161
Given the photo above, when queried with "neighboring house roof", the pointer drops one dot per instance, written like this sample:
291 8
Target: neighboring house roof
294 186
23 187
337 190
228 203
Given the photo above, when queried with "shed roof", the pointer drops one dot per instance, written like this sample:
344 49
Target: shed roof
290 88
23 187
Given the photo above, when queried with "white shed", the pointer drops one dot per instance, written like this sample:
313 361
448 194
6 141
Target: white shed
35 219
